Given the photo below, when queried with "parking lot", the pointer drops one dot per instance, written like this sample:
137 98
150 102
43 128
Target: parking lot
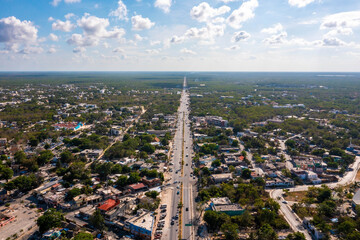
25 220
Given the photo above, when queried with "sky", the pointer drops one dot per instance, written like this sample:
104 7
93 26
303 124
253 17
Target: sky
180 35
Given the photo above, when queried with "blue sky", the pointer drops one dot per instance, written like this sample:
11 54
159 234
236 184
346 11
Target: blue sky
179 35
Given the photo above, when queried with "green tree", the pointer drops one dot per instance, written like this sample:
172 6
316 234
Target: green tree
122 181
50 219
244 221
73 193
212 219
266 232
246 173
97 220
290 143
19 157
148 148
66 157
152 194
133 178
230 231
216 163
6 172
44 157
296 236
83 236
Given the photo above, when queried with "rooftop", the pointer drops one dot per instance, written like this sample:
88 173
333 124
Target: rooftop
220 201
108 204
144 220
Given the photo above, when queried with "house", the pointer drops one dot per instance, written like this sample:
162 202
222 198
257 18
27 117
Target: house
217 121
68 126
224 205
356 198
222 177
316 233
280 182
137 187
91 153
300 174
141 225
115 130
3 141
151 182
108 205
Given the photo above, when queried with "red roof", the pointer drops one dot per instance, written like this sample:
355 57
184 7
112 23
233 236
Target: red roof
108 204
137 186
241 158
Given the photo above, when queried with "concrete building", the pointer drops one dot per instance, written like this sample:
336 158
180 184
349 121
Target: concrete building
356 198
222 177
141 225
224 205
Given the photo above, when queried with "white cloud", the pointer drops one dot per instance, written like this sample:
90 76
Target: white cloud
218 20
333 42
79 50
50 19
121 12
96 27
341 20
232 48
242 14
152 51
118 50
140 23
31 50
163 5
300 3
66 26
138 38
278 33
69 15
206 35
204 12
227 1
274 29
53 37
240 36
152 43
55 3
80 40
51 50
187 51
14 32
340 31
276 39
72 1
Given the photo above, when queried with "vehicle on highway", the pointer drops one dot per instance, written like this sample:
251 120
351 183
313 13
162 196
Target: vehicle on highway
187 155
178 192
285 202
187 209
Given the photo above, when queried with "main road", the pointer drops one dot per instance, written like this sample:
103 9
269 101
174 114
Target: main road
189 181
182 185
